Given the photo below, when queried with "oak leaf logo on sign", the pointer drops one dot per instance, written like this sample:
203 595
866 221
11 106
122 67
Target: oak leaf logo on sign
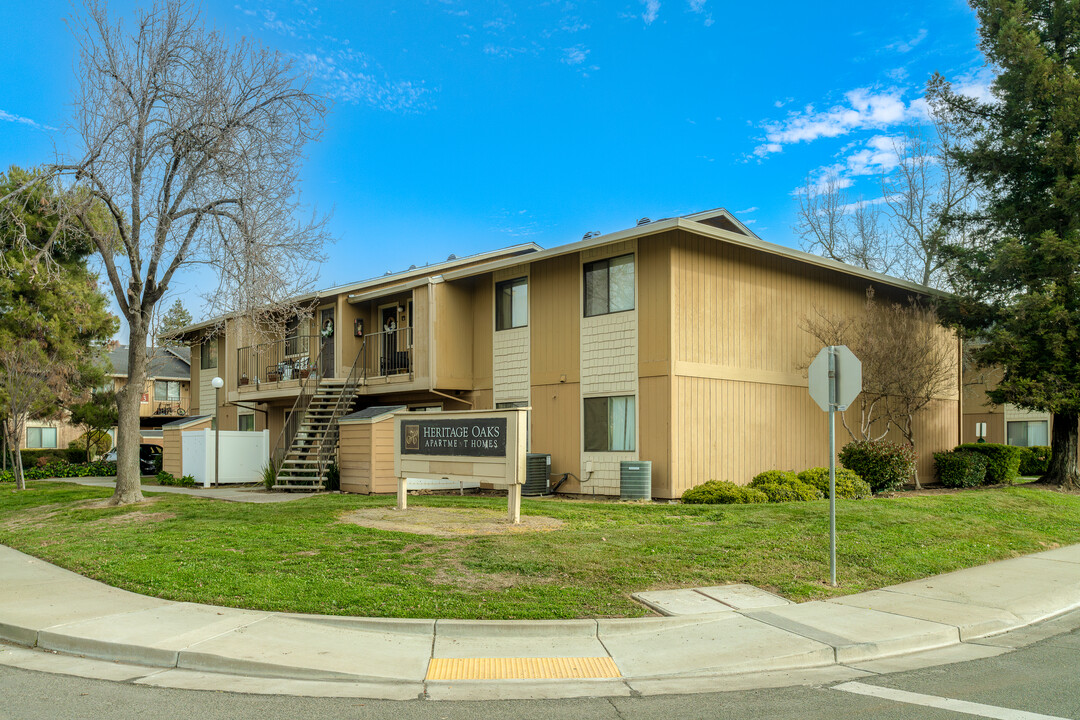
412 437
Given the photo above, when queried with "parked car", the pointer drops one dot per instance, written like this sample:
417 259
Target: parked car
149 456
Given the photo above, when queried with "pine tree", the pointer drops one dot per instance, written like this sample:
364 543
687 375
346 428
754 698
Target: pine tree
175 318
1018 288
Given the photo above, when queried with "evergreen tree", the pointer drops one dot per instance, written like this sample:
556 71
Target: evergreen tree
1018 287
175 317
53 318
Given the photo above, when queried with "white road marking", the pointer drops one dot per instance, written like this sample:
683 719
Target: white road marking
960 706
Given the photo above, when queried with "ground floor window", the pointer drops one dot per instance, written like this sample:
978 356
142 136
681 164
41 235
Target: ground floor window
1027 433
610 424
40 437
246 422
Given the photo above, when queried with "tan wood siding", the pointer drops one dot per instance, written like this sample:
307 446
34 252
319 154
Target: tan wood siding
556 429
654 307
739 397
366 457
483 328
555 320
172 455
454 337
654 419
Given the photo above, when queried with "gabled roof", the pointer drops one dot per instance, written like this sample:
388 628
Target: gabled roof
164 363
718 224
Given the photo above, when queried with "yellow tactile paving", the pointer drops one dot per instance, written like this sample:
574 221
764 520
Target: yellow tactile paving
521 668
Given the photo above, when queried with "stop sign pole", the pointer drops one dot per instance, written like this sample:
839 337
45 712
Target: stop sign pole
835 380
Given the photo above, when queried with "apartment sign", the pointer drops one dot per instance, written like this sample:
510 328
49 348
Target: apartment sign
459 437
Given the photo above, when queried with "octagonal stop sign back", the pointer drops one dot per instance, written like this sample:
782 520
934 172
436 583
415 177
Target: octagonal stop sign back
847 378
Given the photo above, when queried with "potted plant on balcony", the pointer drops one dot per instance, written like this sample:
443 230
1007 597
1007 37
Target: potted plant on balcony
244 379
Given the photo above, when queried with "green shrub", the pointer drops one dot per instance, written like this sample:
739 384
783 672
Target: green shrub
956 469
269 475
1035 460
1002 461
62 469
849 486
784 486
333 477
187 481
884 465
42 457
165 478
722 492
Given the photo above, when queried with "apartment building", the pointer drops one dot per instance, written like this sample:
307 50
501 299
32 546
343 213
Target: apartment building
676 341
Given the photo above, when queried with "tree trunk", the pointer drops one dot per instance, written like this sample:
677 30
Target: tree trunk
1063 454
20 479
128 437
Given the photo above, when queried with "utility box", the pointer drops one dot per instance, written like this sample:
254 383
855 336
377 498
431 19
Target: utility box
635 480
537 474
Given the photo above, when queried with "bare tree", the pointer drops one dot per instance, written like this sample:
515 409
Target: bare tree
908 362
924 193
193 147
847 232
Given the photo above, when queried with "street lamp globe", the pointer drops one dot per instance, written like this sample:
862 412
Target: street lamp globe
218 383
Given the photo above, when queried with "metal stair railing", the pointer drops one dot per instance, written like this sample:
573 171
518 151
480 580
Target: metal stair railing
295 419
328 443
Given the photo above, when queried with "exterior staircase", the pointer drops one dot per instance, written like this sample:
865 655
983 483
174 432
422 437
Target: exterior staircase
315 443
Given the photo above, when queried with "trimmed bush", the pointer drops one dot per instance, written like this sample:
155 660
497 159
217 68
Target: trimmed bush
849 486
884 465
722 492
63 469
33 457
957 469
1035 460
784 486
1002 461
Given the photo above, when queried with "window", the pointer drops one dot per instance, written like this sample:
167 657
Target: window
512 304
511 405
609 285
295 343
167 390
1027 433
208 356
610 424
246 423
40 437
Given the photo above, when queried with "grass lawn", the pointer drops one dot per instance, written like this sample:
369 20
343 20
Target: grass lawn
301 557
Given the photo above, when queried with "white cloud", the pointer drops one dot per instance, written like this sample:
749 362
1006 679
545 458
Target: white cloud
575 55
346 77
864 109
747 211
878 156
976 84
908 45
19 119
652 9
502 51
698 6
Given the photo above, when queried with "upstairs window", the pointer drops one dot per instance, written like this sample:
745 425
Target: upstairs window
609 285
208 356
167 390
512 304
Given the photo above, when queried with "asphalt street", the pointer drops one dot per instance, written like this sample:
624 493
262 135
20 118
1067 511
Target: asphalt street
1034 682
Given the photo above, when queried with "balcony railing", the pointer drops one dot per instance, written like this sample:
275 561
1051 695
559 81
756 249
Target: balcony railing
170 408
388 353
293 358
384 356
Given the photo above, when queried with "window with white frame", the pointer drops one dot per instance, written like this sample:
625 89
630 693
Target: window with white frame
609 285
610 424
1027 433
512 304
40 437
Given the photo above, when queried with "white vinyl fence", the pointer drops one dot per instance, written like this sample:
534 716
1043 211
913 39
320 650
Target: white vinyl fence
243 456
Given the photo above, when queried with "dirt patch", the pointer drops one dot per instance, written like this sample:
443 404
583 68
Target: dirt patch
136 518
448 522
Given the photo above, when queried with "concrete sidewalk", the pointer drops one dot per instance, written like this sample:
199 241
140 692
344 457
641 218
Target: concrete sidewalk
947 618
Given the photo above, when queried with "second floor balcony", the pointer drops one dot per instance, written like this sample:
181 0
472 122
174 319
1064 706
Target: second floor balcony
382 357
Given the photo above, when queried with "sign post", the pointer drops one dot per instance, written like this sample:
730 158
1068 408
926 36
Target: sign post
835 379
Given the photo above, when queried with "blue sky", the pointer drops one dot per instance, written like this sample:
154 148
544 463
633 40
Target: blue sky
460 127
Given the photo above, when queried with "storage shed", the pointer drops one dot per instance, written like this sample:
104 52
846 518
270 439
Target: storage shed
366 450
172 451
